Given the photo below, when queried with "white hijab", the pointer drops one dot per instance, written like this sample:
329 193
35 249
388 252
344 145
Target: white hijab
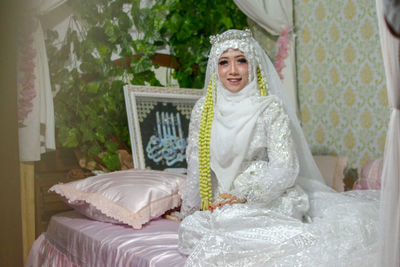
235 117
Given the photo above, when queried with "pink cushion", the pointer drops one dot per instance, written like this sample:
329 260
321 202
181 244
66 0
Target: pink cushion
131 197
370 175
332 169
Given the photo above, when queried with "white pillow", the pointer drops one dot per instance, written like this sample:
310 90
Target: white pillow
132 197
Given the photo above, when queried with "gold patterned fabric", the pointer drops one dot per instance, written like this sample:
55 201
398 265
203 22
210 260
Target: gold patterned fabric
341 81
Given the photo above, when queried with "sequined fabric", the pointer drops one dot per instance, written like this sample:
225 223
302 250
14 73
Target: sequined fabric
280 224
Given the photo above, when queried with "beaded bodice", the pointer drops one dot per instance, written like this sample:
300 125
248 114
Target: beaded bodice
270 148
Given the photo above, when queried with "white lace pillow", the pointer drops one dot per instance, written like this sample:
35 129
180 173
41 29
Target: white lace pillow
131 197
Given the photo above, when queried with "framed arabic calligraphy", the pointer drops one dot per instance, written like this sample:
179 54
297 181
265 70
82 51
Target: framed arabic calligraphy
158 119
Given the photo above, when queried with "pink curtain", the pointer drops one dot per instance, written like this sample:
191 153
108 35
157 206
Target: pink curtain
390 190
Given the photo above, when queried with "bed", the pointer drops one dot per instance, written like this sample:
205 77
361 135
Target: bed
117 221
99 233
74 240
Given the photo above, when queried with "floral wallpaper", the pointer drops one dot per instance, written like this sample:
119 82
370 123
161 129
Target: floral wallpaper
341 80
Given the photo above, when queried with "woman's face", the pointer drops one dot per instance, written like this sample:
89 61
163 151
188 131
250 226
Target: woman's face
233 70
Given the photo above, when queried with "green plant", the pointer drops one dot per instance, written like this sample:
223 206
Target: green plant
186 28
89 104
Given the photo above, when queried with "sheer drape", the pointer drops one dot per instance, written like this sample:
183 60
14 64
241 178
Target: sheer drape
392 16
275 16
37 133
390 192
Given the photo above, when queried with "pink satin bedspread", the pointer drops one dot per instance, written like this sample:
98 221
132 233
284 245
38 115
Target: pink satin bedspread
72 239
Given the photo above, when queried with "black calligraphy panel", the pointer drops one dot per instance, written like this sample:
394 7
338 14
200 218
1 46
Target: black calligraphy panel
164 132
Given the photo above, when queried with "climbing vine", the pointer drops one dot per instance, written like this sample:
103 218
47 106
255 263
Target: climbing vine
88 80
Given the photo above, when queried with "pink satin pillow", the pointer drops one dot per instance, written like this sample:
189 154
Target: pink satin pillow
370 175
132 197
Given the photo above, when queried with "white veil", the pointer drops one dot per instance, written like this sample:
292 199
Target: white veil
310 177
308 168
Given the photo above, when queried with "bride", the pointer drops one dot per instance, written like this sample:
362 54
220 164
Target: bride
254 195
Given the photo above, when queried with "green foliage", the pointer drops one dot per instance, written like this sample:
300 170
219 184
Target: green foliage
186 27
89 104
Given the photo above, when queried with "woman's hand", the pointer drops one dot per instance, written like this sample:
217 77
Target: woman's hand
224 199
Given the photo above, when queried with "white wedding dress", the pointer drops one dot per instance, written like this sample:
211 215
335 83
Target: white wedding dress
280 224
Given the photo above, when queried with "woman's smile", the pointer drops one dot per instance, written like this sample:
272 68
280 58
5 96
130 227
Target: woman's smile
233 70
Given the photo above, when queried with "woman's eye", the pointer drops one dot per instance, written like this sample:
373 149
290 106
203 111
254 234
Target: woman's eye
242 60
223 62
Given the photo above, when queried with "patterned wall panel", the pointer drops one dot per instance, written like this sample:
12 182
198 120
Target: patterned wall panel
341 82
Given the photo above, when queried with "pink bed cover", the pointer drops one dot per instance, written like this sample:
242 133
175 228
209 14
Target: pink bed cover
74 240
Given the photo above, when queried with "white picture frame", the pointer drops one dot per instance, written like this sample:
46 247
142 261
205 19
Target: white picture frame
142 102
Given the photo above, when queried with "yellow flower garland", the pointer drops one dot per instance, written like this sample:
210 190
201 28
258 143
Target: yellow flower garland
261 83
204 148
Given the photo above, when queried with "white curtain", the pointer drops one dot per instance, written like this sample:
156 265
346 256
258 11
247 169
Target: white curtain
36 136
390 192
274 16
391 9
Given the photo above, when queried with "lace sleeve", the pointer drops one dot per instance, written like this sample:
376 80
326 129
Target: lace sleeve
191 193
265 180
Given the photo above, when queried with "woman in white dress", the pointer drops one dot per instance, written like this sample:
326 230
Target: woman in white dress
254 195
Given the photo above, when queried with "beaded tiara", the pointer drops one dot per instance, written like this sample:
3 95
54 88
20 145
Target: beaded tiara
235 39
230 35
